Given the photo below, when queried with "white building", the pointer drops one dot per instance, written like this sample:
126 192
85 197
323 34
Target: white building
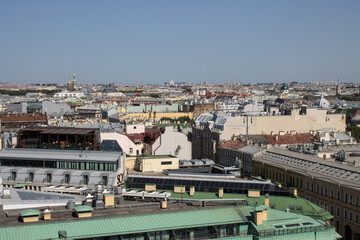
135 128
172 142
125 143
69 95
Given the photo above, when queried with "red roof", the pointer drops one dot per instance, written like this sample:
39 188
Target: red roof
117 99
291 138
149 136
23 117
234 144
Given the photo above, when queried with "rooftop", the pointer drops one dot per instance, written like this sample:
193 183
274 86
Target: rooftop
234 144
290 138
327 170
60 130
32 154
110 222
22 117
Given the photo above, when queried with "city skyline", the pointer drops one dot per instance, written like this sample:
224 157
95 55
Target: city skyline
209 41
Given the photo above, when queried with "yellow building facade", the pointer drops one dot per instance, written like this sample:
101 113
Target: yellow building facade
340 198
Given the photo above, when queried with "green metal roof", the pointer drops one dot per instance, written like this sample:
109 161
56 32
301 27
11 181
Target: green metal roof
29 213
93 228
83 208
124 225
19 185
259 208
301 205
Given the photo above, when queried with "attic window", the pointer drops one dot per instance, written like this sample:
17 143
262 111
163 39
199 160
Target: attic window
307 223
278 226
292 225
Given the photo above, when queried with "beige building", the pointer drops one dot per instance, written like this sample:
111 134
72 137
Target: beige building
211 128
155 163
329 184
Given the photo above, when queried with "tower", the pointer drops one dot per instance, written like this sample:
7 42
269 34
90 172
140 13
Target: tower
338 89
74 83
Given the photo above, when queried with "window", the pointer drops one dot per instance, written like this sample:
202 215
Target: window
345 197
338 211
13 176
345 214
31 176
338 195
357 201
350 216
350 199
48 177
356 218
131 151
85 179
332 209
104 180
67 179
332 193
166 163
325 191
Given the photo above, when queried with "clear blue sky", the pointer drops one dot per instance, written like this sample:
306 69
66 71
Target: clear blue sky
156 41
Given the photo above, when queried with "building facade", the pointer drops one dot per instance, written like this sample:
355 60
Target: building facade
329 184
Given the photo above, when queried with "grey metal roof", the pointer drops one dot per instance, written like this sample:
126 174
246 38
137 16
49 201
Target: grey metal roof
327 170
70 155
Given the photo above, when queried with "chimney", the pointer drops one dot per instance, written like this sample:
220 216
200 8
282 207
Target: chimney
267 200
192 191
293 191
260 214
221 192
327 136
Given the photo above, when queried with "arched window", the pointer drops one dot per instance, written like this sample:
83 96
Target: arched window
338 195
357 201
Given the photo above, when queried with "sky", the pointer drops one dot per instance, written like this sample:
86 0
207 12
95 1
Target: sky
185 41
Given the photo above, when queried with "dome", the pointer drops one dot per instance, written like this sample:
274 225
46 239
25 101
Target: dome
322 103
284 87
